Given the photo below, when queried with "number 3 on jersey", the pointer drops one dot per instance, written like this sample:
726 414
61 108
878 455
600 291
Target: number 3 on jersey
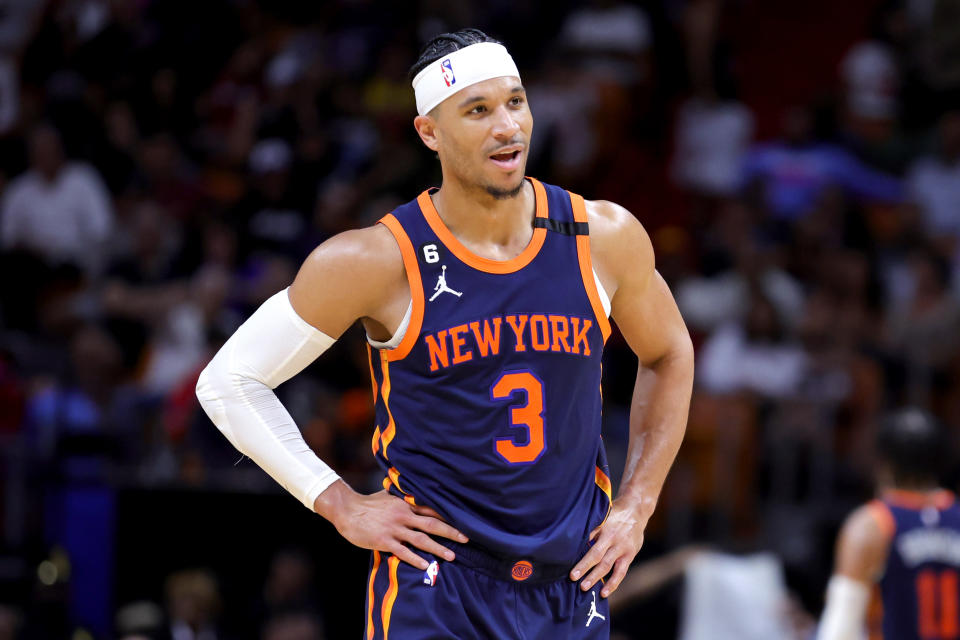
527 416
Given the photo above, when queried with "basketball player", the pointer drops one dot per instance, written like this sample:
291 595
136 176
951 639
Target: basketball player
908 542
486 304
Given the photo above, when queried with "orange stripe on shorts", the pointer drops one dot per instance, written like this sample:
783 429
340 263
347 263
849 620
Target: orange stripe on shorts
393 562
370 594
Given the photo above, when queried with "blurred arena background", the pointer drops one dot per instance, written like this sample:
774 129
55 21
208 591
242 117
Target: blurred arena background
165 166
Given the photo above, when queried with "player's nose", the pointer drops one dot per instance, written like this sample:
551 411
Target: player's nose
505 125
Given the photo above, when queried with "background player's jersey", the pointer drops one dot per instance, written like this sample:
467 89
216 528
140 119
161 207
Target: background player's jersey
489 408
920 590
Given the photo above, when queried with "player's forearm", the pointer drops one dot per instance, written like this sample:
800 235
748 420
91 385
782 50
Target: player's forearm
844 616
658 420
236 391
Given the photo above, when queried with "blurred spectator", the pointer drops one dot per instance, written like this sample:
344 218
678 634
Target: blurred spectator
754 357
713 128
179 340
193 604
18 23
924 329
168 176
938 23
871 80
735 264
59 209
611 39
274 216
934 184
294 626
10 623
793 172
713 132
288 592
740 598
289 583
82 402
564 102
141 619
143 283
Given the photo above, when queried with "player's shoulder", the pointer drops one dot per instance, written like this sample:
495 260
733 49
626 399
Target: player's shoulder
617 236
864 542
364 259
871 523
372 247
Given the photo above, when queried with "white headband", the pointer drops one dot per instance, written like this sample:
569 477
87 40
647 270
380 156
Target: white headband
444 77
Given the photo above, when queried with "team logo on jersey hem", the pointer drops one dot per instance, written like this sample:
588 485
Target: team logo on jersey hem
521 571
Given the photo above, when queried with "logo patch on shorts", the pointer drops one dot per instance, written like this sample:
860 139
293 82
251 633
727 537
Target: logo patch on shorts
430 575
521 571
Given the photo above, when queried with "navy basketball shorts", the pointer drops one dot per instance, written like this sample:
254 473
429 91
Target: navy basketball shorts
477 597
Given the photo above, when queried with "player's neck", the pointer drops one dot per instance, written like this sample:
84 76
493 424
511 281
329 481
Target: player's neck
477 218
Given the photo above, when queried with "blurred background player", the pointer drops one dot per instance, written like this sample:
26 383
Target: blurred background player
907 542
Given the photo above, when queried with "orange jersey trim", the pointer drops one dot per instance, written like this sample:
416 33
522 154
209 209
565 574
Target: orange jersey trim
940 498
586 267
479 262
387 609
370 594
875 614
416 289
393 478
884 519
388 434
603 481
375 443
373 378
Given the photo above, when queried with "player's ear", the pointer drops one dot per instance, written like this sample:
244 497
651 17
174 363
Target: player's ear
426 128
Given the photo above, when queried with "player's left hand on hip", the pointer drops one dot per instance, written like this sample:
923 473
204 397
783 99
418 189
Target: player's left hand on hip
615 544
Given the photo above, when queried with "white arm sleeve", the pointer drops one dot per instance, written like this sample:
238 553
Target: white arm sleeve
236 391
844 616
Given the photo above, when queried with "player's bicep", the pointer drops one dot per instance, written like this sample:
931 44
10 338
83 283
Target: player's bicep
346 278
643 306
649 320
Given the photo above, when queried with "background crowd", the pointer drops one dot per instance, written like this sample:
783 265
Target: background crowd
166 166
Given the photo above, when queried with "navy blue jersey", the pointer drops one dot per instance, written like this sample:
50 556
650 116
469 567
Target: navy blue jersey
489 408
919 587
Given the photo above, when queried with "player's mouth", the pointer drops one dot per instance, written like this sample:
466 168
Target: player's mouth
508 158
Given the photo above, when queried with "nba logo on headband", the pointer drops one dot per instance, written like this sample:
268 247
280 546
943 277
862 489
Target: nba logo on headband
478 62
447 70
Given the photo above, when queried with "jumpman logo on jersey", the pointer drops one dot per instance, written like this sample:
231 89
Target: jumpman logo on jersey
442 285
593 610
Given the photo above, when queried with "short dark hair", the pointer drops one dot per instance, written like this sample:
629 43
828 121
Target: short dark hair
913 443
445 44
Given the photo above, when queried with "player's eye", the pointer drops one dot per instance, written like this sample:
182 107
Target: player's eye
478 109
516 101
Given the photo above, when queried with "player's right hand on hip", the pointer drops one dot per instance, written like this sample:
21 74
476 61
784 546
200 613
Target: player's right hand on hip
384 522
